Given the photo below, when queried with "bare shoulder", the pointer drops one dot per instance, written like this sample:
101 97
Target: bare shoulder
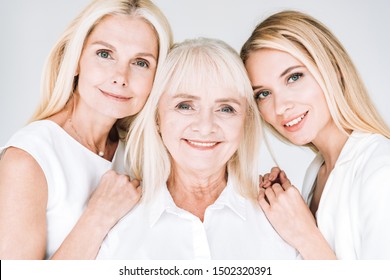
19 166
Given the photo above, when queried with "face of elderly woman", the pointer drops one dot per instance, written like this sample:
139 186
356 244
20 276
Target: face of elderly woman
202 129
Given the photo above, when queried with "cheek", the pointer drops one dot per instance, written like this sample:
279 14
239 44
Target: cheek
267 114
90 76
234 131
142 82
170 126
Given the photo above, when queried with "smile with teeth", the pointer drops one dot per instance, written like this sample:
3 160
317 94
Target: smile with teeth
296 121
202 144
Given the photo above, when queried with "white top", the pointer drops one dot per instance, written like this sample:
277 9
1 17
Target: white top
72 173
354 210
233 228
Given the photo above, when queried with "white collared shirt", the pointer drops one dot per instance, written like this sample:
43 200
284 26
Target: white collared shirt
354 210
233 228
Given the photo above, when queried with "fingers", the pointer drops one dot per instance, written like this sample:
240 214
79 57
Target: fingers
263 201
268 196
284 181
275 171
135 182
283 177
270 178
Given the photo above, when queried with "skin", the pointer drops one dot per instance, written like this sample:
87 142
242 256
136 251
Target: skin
201 130
290 99
116 72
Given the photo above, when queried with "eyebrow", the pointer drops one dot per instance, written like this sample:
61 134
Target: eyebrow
194 97
289 69
186 95
228 100
104 44
108 45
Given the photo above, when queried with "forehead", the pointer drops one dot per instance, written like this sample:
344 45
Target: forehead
124 28
271 59
206 81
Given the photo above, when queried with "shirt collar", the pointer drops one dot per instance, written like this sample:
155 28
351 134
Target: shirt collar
348 152
231 198
163 202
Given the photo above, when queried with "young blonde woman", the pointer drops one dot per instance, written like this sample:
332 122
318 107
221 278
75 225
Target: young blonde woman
60 192
308 90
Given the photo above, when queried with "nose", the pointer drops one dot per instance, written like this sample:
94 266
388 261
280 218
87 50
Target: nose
204 123
282 103
121 75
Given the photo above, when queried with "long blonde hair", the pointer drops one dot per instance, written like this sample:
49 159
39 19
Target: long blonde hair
317 48
58 79
191 65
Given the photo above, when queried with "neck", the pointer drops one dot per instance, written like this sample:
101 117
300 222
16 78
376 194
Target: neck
90 129
195 192
330 143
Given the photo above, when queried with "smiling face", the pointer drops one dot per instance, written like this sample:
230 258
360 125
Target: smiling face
117 66
202 128
288 96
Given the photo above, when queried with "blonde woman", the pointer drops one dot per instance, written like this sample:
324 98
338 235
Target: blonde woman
308 90
198 137
59 190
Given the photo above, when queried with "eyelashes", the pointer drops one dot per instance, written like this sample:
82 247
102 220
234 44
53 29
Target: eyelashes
107 54
186 107
294 77
262 94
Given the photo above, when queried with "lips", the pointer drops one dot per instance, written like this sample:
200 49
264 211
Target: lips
294 121
202 144
116 97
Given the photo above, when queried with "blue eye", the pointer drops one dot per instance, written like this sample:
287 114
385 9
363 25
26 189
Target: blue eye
294 77
262 94
103 54
183 106
142 63
227 109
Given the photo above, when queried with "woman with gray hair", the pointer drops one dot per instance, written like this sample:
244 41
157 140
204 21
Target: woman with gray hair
195 148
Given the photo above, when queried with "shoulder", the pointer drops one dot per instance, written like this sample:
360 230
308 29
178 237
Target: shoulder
371 150
38 129
18 159
368 161
19 167
33 147
35 138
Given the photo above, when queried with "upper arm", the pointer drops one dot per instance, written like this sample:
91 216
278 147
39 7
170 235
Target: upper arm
23 200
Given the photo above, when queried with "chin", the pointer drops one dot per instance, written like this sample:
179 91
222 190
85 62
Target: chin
298 141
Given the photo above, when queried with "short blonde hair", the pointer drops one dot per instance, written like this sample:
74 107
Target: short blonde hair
317 48
58 79
190 65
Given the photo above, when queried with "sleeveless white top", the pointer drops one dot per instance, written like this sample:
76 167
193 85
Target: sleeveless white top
72 173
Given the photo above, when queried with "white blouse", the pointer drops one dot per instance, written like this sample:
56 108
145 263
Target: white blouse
72 173
354 210
233 228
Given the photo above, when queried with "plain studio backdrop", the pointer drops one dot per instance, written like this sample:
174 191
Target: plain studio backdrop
30 28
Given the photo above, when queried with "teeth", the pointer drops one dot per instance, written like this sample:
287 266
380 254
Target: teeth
202 144
295 121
